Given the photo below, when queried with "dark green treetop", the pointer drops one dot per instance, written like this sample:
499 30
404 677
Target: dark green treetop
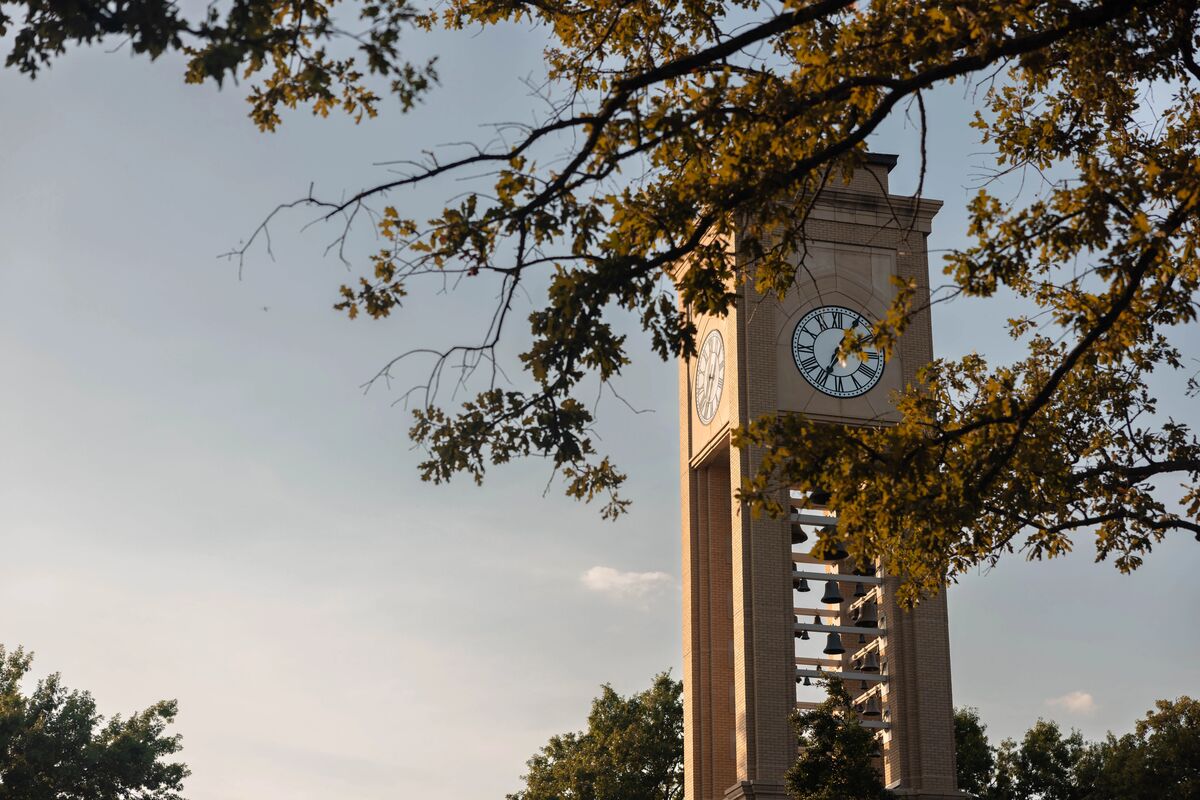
55 746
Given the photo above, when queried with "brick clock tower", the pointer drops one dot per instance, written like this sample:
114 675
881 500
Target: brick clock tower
761 616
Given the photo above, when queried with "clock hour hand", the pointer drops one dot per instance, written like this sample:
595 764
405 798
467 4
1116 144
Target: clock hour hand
827 371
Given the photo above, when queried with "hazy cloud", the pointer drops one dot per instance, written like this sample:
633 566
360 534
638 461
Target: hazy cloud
625 585
1074 702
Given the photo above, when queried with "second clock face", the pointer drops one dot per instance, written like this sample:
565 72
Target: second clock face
815 346
710 376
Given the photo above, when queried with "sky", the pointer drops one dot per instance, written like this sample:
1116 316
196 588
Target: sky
199 501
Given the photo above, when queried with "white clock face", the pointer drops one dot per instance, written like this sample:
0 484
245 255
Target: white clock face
815 346
710 376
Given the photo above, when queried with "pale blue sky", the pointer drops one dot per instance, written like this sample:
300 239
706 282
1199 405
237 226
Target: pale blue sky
197 501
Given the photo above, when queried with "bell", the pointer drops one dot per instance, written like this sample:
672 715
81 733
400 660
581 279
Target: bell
868 570
859 590
868 619
872 663
872 709
834 550
802 636
818 497
833 645
862 639
798 534
832 595
800 584
807 682
817 620
862 686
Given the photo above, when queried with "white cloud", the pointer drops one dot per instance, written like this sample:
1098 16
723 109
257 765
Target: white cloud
625 585
1074 702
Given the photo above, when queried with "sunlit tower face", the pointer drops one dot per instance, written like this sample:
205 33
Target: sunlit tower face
765 615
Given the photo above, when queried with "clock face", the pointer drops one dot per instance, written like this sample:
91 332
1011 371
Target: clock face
710 376
815 345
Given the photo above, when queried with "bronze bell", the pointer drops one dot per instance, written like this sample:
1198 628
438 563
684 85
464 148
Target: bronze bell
801 634
800 584
872 709
868 619
807 682
859 590
798 534
832 595
833 645
834 550
871 664
818 497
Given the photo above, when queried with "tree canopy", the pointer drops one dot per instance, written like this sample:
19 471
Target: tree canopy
1160 758
55 746
836 760
972 754
671 126
632 750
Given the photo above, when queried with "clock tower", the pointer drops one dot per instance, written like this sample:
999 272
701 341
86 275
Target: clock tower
762 617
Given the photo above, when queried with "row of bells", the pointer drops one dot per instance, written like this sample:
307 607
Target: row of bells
868 709
835 550
868 663
832 593
834 647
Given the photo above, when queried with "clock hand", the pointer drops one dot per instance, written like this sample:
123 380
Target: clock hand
827 371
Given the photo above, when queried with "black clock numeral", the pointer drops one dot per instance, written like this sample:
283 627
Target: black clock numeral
804 348
838 385
837 320
865 369
821 322
810 365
